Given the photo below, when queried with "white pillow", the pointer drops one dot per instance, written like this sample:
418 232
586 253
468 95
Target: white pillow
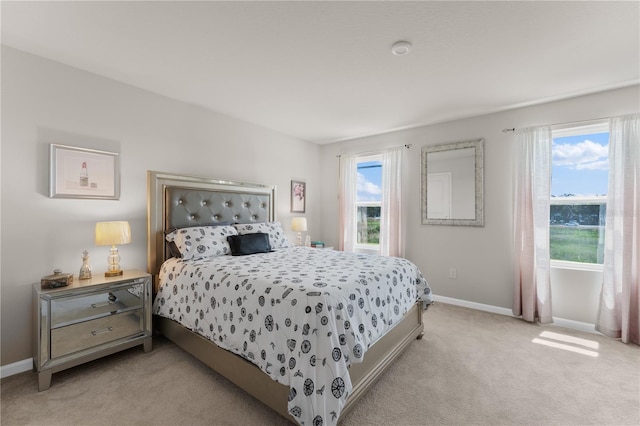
277 238
199 242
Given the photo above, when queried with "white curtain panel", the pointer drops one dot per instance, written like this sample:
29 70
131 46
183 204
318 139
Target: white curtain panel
619 314
391 241
348 182
532 187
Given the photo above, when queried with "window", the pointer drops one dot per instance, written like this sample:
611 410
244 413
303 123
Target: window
368 201
579 183
371 214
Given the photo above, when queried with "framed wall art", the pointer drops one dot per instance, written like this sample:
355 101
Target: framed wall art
298 196
83 173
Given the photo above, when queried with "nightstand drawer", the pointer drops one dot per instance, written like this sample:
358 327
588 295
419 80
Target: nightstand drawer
88 334
70 310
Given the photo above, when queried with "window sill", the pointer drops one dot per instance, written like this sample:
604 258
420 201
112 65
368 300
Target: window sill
371 249
577 266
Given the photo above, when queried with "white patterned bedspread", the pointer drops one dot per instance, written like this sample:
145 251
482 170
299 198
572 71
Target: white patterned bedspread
302 315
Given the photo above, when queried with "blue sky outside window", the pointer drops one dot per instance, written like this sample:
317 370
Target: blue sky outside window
580 165
369 181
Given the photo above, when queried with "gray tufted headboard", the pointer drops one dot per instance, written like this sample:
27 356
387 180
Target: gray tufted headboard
176 201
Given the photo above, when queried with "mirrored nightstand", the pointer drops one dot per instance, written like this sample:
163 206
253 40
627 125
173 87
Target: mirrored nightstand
89 319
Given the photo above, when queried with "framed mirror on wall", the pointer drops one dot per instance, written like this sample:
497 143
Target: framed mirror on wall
453 183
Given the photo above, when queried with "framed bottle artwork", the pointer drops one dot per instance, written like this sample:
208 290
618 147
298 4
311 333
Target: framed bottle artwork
83 173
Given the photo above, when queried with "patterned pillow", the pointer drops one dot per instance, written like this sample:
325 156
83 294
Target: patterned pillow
277 238
199 242
173 248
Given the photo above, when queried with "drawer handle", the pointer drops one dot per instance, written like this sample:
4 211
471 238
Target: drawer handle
104 330
101 304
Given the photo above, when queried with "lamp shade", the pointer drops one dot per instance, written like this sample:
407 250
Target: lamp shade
112 233
299 224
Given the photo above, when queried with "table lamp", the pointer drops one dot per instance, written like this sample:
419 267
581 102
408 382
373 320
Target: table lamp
110 234
299 225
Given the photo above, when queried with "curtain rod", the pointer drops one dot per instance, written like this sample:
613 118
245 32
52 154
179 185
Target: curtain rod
407 146
513 129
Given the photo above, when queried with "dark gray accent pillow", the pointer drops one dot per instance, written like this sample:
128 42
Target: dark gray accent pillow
249 244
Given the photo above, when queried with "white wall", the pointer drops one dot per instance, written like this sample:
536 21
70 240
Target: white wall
482 256
45 102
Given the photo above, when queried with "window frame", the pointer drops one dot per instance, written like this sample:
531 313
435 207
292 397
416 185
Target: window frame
565 130
359 246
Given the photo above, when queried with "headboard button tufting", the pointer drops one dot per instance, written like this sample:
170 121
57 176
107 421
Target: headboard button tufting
197 207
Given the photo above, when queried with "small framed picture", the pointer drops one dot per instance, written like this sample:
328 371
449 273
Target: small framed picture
83 173
298 196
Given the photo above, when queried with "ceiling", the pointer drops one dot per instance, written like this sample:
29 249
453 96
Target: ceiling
323 71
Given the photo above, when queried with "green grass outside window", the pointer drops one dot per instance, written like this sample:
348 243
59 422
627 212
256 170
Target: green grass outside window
574 244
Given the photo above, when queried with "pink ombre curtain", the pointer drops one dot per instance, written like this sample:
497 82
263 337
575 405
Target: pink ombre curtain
391 241
348 181
532 291
619 314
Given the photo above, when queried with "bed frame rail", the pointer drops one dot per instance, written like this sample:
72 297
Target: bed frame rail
275 395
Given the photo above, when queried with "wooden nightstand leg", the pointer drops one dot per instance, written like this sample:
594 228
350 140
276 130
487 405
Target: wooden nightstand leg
148 344
44 380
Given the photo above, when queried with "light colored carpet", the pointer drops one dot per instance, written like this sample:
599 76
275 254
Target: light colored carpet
471 368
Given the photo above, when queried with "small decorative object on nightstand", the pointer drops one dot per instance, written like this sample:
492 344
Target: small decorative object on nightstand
89 319
85 269
58 279
320 244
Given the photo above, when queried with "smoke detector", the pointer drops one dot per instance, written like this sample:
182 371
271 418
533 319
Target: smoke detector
400 48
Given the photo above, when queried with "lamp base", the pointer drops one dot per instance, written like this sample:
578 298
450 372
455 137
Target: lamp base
114 263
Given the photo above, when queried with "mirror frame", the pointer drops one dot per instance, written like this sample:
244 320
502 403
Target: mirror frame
478 145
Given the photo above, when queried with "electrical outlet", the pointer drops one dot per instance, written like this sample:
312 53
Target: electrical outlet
453 273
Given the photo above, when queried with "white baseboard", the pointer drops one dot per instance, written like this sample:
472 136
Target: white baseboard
27 364
575 325
16 368
473 305
560 322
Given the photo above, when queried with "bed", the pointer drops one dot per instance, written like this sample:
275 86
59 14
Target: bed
304 330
